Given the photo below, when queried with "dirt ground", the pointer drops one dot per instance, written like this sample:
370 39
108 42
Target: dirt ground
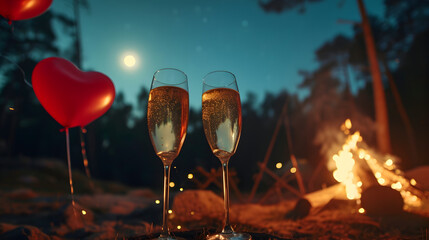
29 211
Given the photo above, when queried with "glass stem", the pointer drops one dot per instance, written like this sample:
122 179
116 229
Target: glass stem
227 227
165 232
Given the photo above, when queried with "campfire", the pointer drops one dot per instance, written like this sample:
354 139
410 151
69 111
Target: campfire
352 158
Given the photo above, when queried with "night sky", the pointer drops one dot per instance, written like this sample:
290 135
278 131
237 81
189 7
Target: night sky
264 50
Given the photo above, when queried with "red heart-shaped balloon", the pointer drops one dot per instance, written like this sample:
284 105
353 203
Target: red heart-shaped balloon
72 97
14 10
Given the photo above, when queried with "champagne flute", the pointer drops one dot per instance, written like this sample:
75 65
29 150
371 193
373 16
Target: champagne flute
167 119
221 109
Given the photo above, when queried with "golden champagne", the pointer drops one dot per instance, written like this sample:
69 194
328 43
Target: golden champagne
222 121
167 119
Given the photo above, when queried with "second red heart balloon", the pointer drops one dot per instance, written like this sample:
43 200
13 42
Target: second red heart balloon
72 97
14 10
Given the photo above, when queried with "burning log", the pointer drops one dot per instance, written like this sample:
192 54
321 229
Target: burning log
365 174
376 199
301 210
322 197
382 201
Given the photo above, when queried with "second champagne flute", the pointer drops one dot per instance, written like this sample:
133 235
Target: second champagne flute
167 118
221 109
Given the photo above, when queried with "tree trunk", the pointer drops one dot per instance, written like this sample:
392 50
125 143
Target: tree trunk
381 117
402 112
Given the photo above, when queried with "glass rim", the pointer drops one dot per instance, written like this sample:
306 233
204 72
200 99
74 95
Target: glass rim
219 71
159 70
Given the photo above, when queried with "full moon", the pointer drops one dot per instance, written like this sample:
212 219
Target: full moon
129 61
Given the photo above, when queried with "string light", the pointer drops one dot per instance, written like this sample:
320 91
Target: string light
361 210
179 227
293 170
190 176
11 109
181 189
83 212
279 165
157 201
170 211
413 182
172 184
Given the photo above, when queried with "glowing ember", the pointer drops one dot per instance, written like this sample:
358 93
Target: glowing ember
348 124
83 212
389 162
396 186
413 182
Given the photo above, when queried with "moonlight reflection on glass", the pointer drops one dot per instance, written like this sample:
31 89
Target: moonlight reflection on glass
166 139
227 134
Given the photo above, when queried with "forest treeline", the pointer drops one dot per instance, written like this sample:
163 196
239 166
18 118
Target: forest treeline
118 143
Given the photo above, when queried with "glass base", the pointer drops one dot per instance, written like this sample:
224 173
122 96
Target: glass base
231 236
168 238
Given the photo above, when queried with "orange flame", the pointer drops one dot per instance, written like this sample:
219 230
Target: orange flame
386 173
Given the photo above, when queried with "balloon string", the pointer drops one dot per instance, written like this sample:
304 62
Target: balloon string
85 157
70 171
20 69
